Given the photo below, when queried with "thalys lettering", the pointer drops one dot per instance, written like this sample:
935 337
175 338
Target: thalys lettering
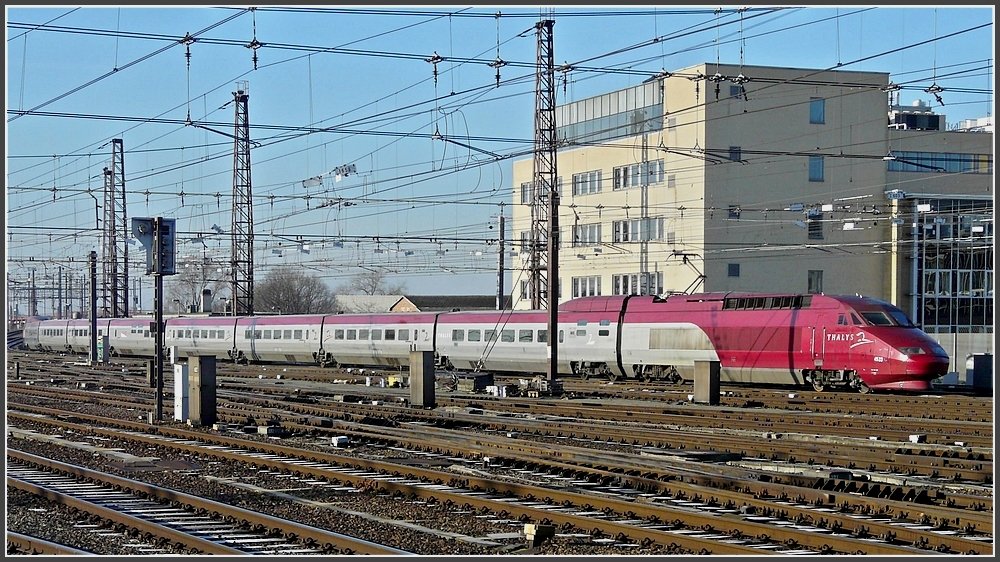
820 340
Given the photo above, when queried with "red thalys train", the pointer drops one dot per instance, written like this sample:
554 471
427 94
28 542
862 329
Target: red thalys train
818 340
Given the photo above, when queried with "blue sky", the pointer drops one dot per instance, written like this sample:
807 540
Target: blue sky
420 208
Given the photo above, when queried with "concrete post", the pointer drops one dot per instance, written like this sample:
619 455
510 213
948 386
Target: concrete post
422 379
706 382
982 372
182 405
201 377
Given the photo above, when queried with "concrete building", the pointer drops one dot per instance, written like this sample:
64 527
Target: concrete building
747 178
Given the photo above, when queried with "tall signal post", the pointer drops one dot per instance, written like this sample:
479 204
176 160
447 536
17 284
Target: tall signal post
115 236
545 195
242 231
158 236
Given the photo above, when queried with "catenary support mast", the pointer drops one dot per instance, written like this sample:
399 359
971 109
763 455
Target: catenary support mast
242 231
545 194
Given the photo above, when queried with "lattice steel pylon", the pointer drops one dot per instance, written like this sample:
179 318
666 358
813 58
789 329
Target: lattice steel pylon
242 231
115 235
544 279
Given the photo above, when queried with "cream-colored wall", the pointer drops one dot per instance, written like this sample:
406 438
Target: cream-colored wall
774 254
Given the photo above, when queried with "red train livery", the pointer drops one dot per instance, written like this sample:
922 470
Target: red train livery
819 340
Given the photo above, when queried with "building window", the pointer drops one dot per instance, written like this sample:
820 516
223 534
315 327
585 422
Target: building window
734 91
734 212
815 168
637 284
587 286
815 282
637 230
528 191
735 153
625 177
815 226
587 183
654 171
817 111
671 122
587 234
734 270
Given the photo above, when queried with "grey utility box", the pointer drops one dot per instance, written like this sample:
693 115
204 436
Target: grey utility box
201 397
422 379
981 374
706 382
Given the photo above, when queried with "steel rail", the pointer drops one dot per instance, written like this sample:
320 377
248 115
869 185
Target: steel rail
818 542
777 449
34 545
288 529
657 479
190 542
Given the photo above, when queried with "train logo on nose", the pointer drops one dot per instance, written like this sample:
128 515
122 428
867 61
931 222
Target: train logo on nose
860 340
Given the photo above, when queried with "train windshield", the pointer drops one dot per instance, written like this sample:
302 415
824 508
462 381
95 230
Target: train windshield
888 316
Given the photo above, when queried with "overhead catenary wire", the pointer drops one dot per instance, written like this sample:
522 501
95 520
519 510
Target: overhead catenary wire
661 45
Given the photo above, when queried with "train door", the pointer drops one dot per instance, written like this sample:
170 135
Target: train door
252 327
818 347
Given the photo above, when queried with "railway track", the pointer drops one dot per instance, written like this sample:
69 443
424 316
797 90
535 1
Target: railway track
202 526
891 457
275 457
617 465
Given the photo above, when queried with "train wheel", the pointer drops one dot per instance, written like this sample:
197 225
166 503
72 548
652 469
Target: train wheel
864 388
613 377
584 374
818 386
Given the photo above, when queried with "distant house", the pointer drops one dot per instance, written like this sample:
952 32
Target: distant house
447 303
351 304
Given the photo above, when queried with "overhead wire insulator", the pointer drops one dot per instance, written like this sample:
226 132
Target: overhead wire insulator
254 44
740 81
497 64
434 60
718 79
936 90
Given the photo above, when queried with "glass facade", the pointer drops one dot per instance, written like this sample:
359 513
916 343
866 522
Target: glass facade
954 278
948 162
610 116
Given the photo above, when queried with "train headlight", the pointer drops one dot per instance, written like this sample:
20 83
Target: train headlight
911 350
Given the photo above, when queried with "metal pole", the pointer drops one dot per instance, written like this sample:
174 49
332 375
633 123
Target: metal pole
93 308
158 315
59 314
33 306
500 235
